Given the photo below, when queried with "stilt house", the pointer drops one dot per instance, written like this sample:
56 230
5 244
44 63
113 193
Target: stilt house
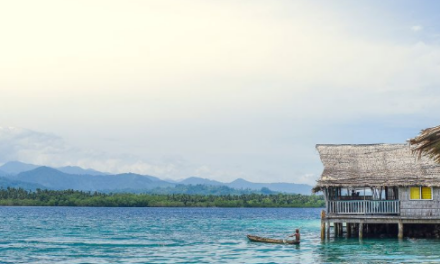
381 186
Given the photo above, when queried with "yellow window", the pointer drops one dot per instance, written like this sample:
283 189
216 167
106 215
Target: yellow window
420 193
415 193
426 193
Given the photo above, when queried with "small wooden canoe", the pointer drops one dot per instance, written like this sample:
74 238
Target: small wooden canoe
270 240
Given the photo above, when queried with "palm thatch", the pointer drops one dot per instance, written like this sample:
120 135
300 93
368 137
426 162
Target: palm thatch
375 165
427 143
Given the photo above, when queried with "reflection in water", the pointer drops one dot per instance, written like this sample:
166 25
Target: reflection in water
384 250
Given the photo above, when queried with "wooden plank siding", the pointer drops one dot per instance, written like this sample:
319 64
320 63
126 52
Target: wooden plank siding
419 208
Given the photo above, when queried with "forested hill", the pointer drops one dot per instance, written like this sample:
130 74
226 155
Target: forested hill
21 197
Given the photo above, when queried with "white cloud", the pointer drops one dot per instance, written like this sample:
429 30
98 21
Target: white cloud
308 178
19 144
27 145
416 28
45 149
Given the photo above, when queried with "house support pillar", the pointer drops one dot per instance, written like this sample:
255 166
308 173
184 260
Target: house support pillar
348 227
322 225
336 225
400 234
361 230
328 229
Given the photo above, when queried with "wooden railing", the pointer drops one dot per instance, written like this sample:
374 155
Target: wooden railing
357 198
364 207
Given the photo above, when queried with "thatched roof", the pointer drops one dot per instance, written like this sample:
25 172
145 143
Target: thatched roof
375 165
427 143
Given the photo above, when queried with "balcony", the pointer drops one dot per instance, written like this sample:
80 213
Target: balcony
364 207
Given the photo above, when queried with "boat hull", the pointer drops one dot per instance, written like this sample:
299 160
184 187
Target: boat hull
270 240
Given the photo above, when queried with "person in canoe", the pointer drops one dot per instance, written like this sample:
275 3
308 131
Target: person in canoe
296 235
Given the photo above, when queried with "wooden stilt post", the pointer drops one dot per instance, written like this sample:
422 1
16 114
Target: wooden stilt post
400 235
322 224
361 230
328 229
336 231
348 230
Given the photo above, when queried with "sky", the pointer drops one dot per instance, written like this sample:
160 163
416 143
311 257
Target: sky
214 89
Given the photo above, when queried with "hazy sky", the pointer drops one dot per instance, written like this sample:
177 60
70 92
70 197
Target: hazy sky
215 89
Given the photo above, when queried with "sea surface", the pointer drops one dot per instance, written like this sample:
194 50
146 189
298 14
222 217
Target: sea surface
187 235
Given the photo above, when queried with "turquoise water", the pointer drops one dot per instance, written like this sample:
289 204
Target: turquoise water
186 235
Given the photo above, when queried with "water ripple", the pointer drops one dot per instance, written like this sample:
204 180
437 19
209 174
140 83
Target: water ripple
186 235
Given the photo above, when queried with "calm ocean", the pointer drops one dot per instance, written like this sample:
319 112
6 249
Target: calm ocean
186 235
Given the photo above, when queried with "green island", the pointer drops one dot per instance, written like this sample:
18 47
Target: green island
39 197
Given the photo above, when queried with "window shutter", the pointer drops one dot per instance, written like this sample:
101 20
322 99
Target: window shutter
415 193
426 193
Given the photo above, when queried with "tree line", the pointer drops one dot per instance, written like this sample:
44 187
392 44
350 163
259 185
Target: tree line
194 189
39 197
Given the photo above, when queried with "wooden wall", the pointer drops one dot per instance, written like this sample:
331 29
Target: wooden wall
425 208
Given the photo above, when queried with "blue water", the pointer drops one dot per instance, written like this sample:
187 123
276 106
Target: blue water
187 235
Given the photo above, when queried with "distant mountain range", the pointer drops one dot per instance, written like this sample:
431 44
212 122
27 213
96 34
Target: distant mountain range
28 176
16 167
57 180
243 184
